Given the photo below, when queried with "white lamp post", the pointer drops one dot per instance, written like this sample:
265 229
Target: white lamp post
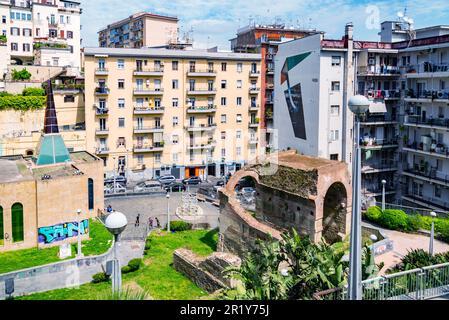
359 106
383 194
116 222
168 211
432 233
79 253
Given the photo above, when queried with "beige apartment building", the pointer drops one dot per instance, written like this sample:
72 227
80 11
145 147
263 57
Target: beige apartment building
152 112
142 29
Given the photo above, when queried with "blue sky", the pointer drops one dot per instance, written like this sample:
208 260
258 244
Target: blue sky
214 22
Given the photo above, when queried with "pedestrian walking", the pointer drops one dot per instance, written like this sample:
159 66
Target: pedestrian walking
158 224
137 220
109 209
150 222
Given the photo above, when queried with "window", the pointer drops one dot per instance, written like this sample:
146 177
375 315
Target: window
223 153
121 84
2 229
175 102
175 121
223 101
223 66
175 139
70 34
140 159
252 151
17 222
334 156
90 186
238 134
26 32
175 84
26 47
437 191
15 31
239 84
239 67
239 118
14 47
121 122
223 135
335 86
38 32
174 65
239 101
223 118
239 151
121 103
157 158
121 142
175 157
52 33
336 61
223 84
120 64
69 99
3 19
334 135
335 110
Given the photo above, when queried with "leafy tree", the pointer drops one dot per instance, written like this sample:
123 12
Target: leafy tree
23 74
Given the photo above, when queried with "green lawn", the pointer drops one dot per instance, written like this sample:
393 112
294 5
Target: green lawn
100 241
157 276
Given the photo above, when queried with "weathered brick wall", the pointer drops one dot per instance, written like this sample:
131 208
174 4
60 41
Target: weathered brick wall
206 273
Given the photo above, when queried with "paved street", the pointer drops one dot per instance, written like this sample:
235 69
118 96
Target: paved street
156 206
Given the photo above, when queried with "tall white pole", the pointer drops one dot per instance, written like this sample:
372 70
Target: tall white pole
168 212
79 253
432 233
355 267
383 194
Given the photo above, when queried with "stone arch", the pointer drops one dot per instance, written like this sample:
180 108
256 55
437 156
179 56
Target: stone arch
233 182
335 209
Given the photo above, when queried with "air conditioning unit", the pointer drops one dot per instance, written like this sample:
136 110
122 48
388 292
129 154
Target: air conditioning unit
371 61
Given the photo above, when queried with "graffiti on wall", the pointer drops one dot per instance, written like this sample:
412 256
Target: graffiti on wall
62 231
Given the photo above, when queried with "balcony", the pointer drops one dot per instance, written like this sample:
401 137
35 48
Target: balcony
156 72
429 202
209 73
427 96
436 150
140 91
254 90
383 94
431 175
101 111
269 101
379 120
427 69
379 71
253 124
143 148
101 91
254 107
141 129
372 143
201 91
270 71
376 190
253 141
202 109
417 121
210 145
254 74
102 131
102 150
141 110
379 166
202 127
269 56
101 72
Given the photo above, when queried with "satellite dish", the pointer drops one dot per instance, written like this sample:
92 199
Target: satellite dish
400 14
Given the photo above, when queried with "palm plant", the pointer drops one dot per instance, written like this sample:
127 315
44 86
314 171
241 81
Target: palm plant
127 294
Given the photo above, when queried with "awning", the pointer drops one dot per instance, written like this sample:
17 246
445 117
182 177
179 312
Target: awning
377 107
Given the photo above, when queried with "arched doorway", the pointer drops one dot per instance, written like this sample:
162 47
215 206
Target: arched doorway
334 212
29 152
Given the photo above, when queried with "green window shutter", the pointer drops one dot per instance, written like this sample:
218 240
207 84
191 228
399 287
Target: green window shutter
17 222
2 231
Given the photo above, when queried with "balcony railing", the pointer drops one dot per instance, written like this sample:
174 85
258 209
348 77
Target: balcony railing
377 166
254 90
423 171
430 201
382 94
193 72
428 94
437 149
142 129
101 71
199 91
209 145
433 122
253 124
101 91
102 131
427 67
149 72
254 73
148 110
254 107
379 70
101 111
101 150
156 147
373 142
202 109
201 127
378 119
148 91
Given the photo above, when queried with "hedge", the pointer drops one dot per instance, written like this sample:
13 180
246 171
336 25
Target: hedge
180 226
100 277
22 103
35 92
399 220
133 265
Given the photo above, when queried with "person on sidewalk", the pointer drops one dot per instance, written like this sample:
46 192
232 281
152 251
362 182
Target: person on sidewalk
109 209
158 224
137 220
150 222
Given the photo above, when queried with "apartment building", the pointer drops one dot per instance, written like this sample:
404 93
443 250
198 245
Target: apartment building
152 112
265 39
139 30
42 32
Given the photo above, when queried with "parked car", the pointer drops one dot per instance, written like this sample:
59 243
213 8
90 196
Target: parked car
192 181
118 179
247 192
175 187
205 194
220 184
148 186
167 180
108 189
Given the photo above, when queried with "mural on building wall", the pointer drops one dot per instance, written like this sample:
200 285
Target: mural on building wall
62 231
293 96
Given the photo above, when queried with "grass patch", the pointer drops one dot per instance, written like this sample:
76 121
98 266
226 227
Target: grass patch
100 242
158 277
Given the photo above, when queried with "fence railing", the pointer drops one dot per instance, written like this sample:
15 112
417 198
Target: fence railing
417 284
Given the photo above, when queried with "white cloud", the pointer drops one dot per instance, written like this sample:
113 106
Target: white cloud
215 22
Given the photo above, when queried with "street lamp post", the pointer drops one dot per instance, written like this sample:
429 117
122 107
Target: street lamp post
432 233
383 194
115 223
358 105
168 211
79 253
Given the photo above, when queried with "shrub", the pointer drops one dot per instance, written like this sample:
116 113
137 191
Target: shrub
22 103
148 244
23 74
373 214
414 223
133 265
3 38
394 219
5 94
33 92
100 277
442 228
126 269
180 226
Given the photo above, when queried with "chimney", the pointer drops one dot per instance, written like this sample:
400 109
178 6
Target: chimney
349 33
